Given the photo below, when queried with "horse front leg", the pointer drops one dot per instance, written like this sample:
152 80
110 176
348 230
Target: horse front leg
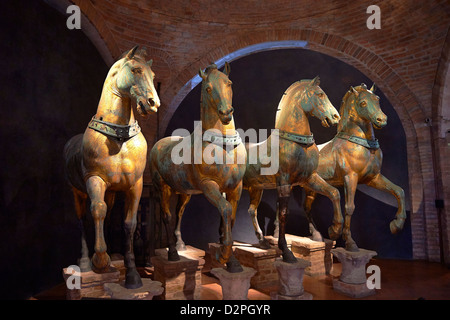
255 199
382 183
212 192
233 197
317 184
284 192
132 198
350 184
183 200
96 188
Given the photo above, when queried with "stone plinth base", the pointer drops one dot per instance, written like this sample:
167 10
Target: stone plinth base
213 249
235 286
181 279
352 290
290 277
316 252
91 283
304 296
352 281
148 290
262 260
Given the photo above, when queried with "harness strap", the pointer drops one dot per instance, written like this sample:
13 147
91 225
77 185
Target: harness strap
118 131
371 144
298 138
217 139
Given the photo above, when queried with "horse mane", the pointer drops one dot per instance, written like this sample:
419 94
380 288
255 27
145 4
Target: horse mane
287 96
346 106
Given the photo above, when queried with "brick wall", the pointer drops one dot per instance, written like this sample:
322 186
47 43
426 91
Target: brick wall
402 58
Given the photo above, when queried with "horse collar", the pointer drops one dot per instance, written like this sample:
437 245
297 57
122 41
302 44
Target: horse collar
371 144
220 139
298 138
121 132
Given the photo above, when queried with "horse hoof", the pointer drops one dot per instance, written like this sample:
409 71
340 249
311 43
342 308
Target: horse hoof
101 263
333 234
289 257
396 226
264 244
133 280
181 246
233 265
351 246
173 255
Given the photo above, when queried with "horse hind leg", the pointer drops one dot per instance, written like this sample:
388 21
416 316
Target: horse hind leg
183 200
255 199
350 184
165 194
310 196
80 207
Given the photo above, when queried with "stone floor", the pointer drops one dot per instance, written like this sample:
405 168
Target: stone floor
400 280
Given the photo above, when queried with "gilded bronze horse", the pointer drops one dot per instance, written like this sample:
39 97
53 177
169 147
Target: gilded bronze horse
354 156
298 157
111 156
196 175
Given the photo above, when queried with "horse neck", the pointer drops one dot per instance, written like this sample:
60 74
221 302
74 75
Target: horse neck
114 107
352 124
210 119
292 117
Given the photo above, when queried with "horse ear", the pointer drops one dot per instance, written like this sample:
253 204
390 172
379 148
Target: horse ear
363 85
353 90
150 62
374 87
202 74
227 68
315 81
132 52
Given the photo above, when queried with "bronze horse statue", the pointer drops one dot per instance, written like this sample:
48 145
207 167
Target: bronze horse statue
197 175
298 158
111 156
354 156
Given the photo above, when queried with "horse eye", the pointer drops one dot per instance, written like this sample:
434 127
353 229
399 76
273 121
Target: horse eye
208 89
136 70
363 104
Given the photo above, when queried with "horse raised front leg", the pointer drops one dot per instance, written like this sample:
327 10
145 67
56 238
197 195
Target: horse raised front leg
350 184
255 199
317 184
183 200
382 183
96 190
212 192
284 192
132 278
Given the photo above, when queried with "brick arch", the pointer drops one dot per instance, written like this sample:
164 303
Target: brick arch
405 102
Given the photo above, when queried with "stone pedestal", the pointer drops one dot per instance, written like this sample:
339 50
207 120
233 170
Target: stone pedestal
291 280
213 249
181 279
352 281
91 283
262 260
148 290
316 252
235 286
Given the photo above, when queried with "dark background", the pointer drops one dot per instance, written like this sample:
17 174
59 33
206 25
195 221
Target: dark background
49 89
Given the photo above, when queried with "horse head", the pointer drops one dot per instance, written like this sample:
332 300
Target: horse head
135 80
316 103
217 92
367 105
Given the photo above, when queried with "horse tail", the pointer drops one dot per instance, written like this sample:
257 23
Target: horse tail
72 160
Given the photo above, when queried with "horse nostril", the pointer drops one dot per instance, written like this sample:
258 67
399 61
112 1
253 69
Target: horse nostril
231 110
336 116
151 102
379 120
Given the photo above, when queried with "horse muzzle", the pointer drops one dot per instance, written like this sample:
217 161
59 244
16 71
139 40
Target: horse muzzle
380 122
151 104
226 115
